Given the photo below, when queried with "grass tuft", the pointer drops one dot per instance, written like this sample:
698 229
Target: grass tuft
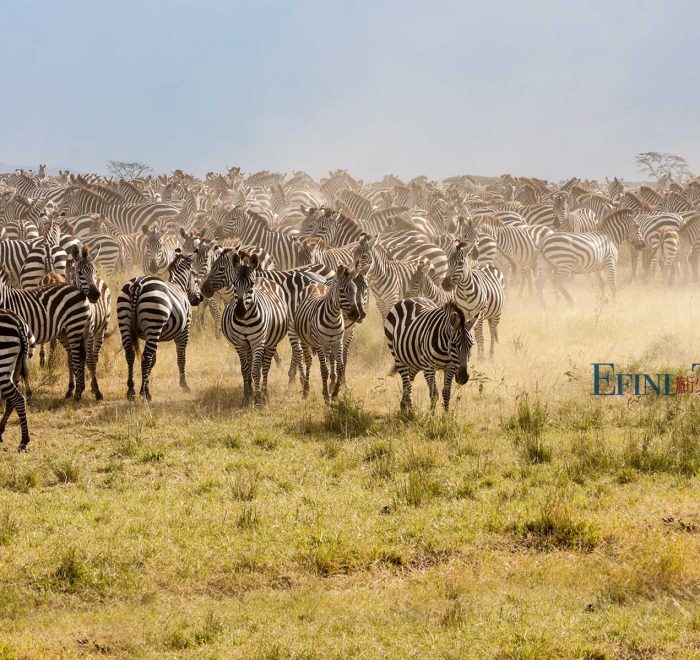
347 417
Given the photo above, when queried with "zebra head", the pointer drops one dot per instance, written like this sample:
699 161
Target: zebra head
81 272
311 222
343 287
180 273
229 221
222 272
191 240
364 252
243 285
307 252
418 286
461 341
467 231
460 253
155 257
362 296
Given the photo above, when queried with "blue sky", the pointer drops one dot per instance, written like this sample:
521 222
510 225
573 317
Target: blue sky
549 89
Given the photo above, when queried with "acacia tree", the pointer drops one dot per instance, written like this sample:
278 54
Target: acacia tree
128 170
663 165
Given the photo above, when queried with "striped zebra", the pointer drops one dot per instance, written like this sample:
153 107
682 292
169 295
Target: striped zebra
663 244
478 290
127 218
158 250
43 258
650 223
60 311
292 283
253 229
688 237
82 274
316 250
16 347
423 336
564 253
255 321
422 286
13 256
320 326
389 280
578 221
157 311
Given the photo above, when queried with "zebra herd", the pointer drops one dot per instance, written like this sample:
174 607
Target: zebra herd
298 258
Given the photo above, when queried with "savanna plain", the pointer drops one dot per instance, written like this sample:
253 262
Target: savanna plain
533 521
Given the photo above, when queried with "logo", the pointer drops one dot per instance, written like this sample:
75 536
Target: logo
608 381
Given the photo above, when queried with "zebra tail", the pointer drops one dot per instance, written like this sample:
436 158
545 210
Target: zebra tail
134 293
22 368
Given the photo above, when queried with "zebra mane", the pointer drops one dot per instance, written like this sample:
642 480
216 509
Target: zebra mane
622 214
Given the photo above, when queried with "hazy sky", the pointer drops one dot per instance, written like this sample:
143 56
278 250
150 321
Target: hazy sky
549 89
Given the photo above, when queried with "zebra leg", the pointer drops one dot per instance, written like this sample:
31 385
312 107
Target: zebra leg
129 354
94 347
18 402
9 405
53 345
612 277
267 361
245 358
432 387
542 267
634 253
181 348
324 372
493 331
71 367
306 373
340 366
407 376
297 356
42 356
256 370
479 336
557 280
347 340
332 376
447 387
148 361
215 312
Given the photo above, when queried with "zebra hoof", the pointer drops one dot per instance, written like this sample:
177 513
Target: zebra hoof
78 396
98 395
130 395
185 388
22 449
68 394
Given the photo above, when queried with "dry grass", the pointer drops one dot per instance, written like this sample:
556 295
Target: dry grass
534 521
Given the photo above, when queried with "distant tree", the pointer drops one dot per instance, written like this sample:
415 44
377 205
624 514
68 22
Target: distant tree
128 170
663 165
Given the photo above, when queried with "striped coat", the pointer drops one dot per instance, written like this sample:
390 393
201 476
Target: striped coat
425 337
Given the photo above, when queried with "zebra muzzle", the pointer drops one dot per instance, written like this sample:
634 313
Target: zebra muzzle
93 294
447 284
462 376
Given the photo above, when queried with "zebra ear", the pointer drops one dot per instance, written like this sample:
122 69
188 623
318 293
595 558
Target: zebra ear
235 259
456 319
183 233
73 251
470 323
254 261
144 229
474 252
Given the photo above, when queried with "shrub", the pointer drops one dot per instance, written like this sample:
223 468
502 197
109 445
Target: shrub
347 417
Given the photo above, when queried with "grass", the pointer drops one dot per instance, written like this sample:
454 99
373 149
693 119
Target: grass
532 521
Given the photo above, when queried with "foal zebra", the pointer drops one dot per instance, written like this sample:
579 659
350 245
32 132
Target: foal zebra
16 347
479 291
255 321
424 337
320 326
159 250
157 311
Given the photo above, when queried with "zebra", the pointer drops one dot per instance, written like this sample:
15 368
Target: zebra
292 285
44 257
255 321
253 229
389 280
316 250
16 347
13 255
688 236
649 223
320 326
81 273
578 221
564 253
422 286
158 250
157 311
60 311
479 291
423 336
663 244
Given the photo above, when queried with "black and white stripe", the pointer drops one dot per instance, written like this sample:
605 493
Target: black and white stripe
157 311
424 337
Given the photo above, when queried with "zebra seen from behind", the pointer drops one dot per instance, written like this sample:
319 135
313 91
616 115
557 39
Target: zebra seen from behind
16 347
157 311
